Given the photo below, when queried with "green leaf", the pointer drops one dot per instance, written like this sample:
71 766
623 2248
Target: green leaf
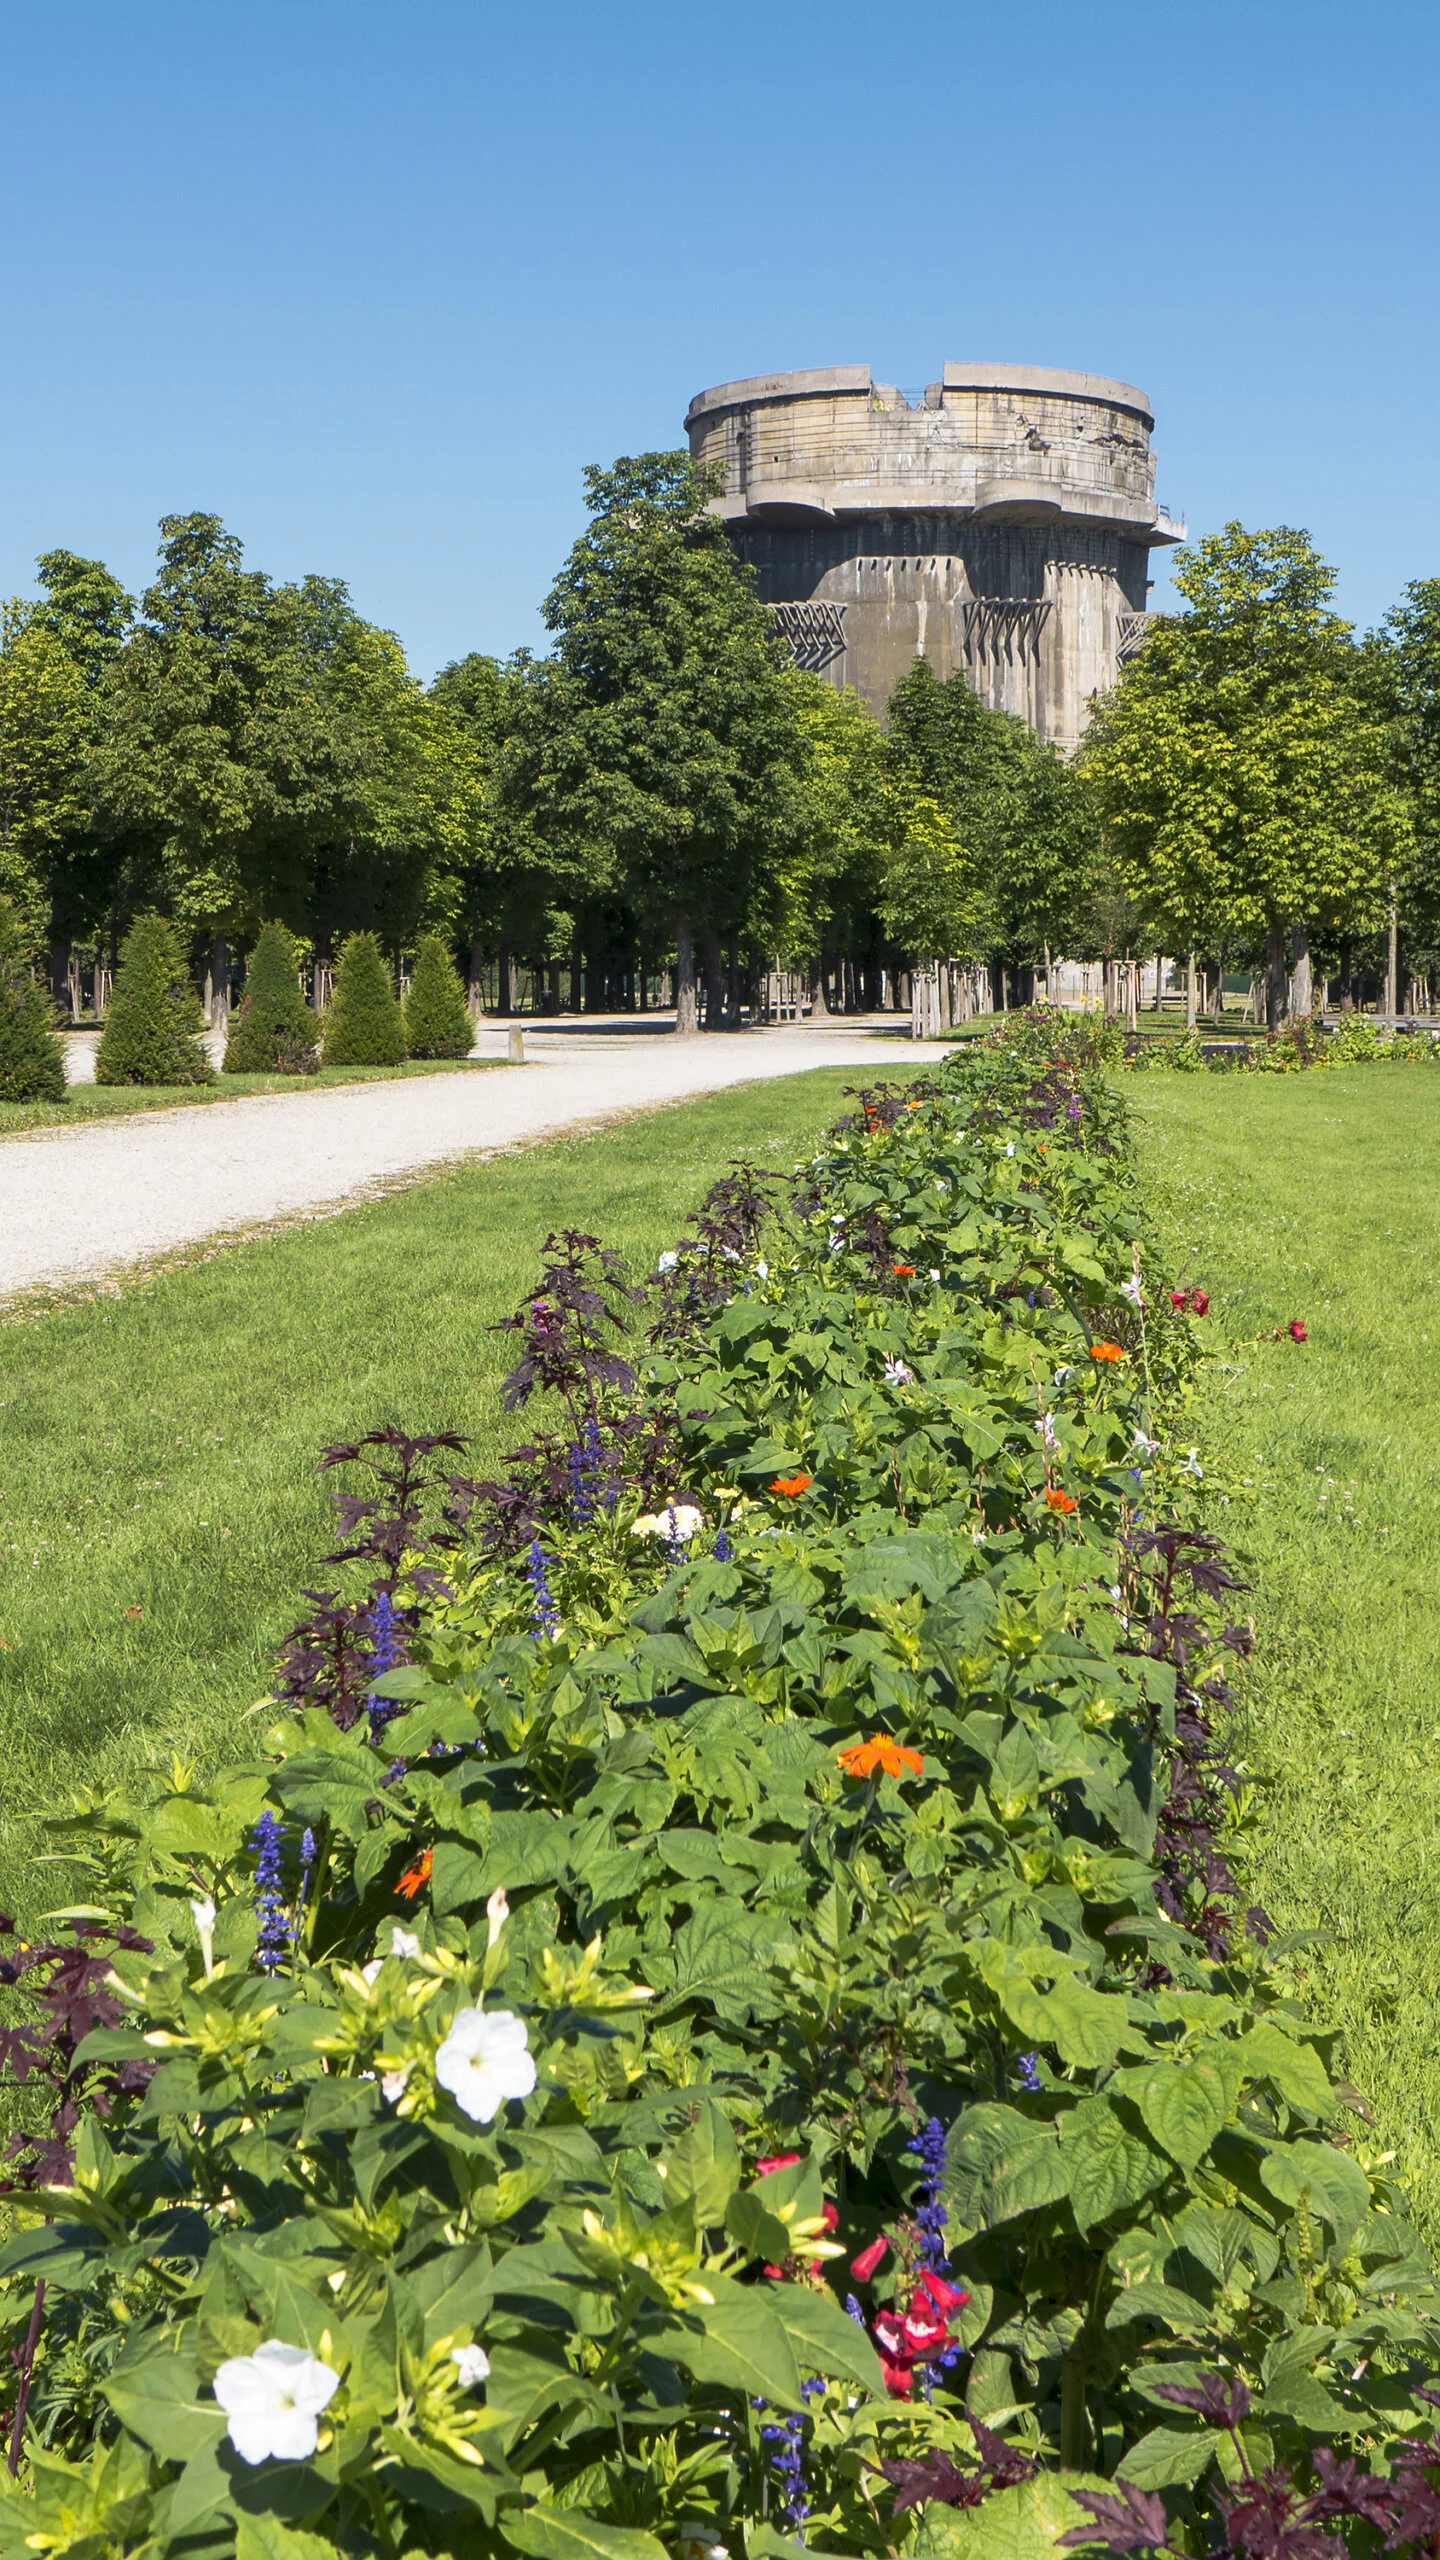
1296 2069
1169 2457
1328 2180
1000 2163
567 2533
703 2166
1024 2523
1108 2165
825 2338
1184 2105
264 2537
738 2341
155 2396
756 2230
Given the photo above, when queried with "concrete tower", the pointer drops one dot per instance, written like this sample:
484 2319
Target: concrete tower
1000 522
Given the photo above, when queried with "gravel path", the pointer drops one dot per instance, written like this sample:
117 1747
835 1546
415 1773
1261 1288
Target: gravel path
76 1203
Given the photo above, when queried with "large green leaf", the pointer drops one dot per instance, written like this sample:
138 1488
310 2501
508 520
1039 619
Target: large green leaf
264 2537
1296 2068
1024 2523
1184 2105
1108 2164
156 2397
1000 2163
739 2341
825 2338
1169 2457
567 2533
703 2165
1328 2180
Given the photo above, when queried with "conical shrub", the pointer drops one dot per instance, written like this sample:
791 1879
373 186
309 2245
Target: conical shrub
153 1017
274 1033
437 1018
32 1057
363 1027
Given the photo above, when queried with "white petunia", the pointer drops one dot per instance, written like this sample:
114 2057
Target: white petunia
497 1912
474 2365
667 1262
762 1270
1132 1290
484 2060
677 1520
897 1375
1009 1146
934 1275
1048 1432
393 2084
203 1915
404 1942
273 2401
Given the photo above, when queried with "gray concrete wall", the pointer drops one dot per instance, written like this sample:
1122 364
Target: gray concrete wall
1001 523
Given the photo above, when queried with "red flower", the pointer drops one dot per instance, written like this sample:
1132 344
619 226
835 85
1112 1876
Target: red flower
791 1485
1059 1501
1297 1330
780 2160
897 2356
946 2297
924 2329
880 1752
1179 1300
863 2267
903 1270
1107 1351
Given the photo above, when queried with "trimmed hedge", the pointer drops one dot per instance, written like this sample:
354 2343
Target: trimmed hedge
32 1055
437 1017
154 1017
363 1026
720 2013
274 1032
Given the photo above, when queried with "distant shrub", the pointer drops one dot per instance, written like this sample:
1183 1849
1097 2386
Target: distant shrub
437 1018
32 1059
153 1017
1069 1040
363 1027
275 1032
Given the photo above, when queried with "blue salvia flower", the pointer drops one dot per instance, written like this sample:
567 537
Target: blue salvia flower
274 1936
582 1501
676 1542
307 1861
384 1653
854 2312
544 1616
397 1769
722 1549
928 2146
788 2463
1027 2071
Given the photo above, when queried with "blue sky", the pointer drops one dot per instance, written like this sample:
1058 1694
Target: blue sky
375 282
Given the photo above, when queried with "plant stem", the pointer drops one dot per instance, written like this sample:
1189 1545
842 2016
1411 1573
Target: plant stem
27 2367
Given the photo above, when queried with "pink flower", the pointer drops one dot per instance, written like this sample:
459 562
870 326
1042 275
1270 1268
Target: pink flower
781 2160
1296 1330
947 2298
863 2267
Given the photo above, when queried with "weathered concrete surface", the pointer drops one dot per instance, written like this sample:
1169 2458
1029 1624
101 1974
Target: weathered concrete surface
1000 523
81 1202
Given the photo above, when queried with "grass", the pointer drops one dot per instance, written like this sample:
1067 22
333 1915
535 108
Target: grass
111 1101
1319 1197
159 1507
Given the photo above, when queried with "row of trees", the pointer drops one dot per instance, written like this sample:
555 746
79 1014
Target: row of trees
662 790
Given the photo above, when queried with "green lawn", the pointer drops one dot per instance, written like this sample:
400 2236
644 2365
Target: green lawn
159 1510
1319 1197
108 1101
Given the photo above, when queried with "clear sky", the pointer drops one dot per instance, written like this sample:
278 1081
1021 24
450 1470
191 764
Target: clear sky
374 282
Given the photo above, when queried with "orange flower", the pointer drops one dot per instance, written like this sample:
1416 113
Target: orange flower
903 1270
415 1876
880 1752
1107 1351
791 1485
1059 1501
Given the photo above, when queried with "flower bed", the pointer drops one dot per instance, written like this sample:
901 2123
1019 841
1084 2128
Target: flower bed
719 2015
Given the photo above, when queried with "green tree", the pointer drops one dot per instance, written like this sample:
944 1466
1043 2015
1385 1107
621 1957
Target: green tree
153 1017
32 1057
933 906
363 1027
45 730
1242 782
274 1031
437 1018
822 894
662 749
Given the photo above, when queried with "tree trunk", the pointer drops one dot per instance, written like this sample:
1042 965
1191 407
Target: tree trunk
686 1024
1392 959
1302 993
1347 980
475 979
815 974
60 973
576 977
1189 990
714 983
1277 977
1159 979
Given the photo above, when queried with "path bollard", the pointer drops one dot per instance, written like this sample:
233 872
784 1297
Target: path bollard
516 1049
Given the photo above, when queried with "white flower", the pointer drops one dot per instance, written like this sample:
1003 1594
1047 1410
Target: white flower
1144 1442
1010 1146
934 1275
837 1244
497 1912
484 2060
1063 1373
677 1520
1132 1290
474 2365
273 2401
942 1186
1048 1432
762 1270
898 1375
393 2084
1191 1466
667 1262
371 1972
404 1942
203 1915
